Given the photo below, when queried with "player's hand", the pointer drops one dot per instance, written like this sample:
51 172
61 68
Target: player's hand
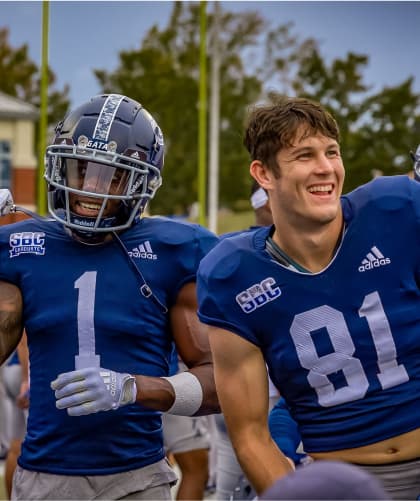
93 389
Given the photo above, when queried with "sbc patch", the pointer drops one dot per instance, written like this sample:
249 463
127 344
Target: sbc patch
258 295
27 242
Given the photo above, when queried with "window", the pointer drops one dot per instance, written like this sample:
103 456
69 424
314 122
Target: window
5 165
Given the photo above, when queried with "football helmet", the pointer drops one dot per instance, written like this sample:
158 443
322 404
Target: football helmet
416 166
104 166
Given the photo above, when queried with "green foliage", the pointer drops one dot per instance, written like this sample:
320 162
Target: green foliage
389 128
20 77
16 69
163 74
258 62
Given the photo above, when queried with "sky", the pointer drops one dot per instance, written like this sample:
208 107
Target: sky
86 35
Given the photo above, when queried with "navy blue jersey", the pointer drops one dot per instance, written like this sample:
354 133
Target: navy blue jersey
83 306
238 232
342 345
173 362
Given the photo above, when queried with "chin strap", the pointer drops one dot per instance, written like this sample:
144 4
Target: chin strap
145 288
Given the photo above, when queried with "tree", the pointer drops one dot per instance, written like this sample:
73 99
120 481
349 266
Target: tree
377 130
389 128
20 77
258 62
163 74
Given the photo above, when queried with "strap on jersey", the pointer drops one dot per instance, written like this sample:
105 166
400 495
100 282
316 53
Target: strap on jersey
145 288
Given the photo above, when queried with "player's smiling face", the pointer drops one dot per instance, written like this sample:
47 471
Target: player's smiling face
94 178
311 178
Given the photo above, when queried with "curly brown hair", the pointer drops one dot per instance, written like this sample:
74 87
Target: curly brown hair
275 126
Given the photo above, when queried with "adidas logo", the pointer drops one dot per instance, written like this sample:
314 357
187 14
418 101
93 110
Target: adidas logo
374 259
110 380
143 251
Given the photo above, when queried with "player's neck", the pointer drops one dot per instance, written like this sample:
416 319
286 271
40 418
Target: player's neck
310 250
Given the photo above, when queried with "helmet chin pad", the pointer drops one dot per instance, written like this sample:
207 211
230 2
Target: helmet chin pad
88 237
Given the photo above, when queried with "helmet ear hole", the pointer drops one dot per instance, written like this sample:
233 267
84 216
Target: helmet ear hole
106 133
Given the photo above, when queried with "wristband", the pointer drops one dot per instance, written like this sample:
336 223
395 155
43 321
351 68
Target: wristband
188 394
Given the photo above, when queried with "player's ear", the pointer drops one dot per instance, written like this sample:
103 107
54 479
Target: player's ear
262 174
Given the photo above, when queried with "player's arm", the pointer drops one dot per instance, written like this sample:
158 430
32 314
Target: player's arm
190 393
241 381
187 393
193 346
11 326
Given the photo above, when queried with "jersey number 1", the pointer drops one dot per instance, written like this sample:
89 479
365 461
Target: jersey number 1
85 321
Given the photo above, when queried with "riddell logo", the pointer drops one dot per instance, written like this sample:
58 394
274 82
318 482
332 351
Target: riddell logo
143 251
374 259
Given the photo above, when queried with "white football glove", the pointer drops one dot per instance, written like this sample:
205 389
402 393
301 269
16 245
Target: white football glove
90 390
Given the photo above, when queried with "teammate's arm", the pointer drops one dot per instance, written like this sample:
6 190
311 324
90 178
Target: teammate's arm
190 393
285 431
241 381
11 326
22 400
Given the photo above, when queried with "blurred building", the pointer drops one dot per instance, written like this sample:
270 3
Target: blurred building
18 161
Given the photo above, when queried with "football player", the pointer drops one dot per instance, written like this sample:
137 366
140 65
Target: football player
103 293
329 298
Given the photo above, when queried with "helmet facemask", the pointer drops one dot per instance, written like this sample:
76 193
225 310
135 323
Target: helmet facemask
98 192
